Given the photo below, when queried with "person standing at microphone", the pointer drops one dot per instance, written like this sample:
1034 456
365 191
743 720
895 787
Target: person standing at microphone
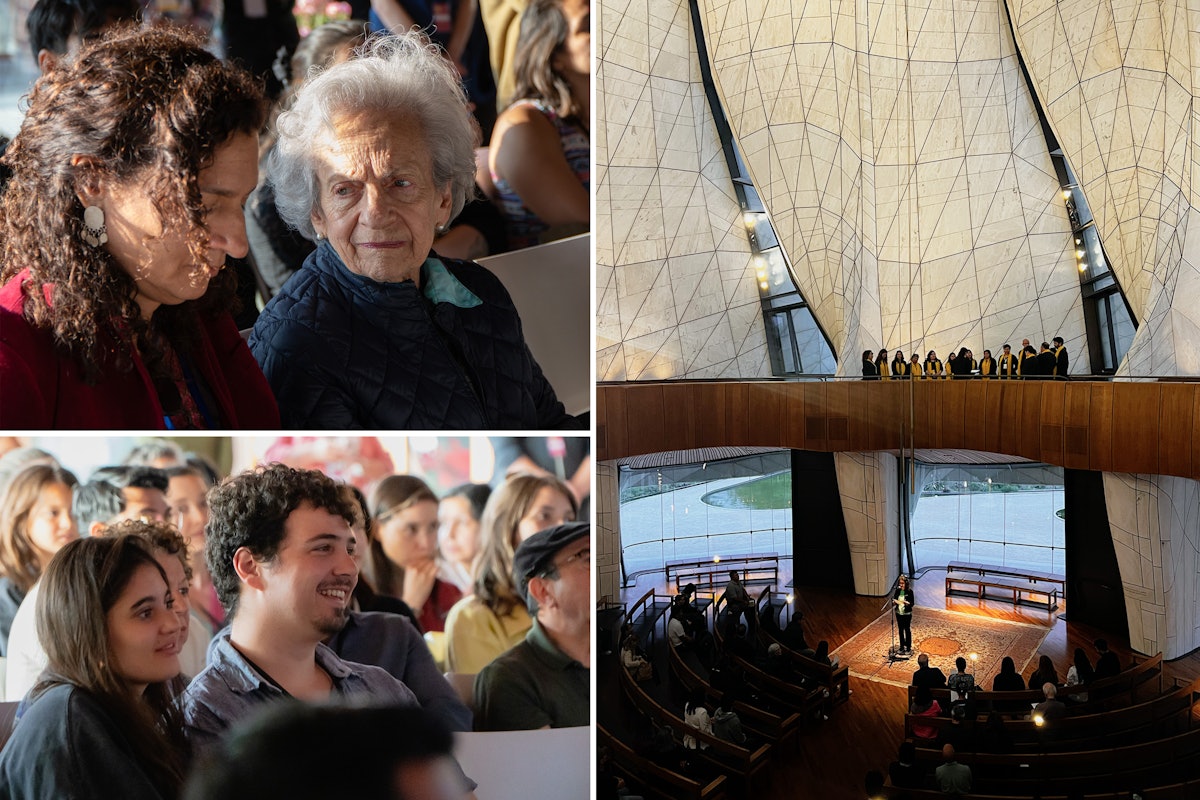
904 600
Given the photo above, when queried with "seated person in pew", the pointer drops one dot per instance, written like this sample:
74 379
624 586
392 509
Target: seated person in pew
632 660
927 676
1051 708
545 681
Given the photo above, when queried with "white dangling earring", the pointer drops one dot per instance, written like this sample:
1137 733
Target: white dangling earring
95 232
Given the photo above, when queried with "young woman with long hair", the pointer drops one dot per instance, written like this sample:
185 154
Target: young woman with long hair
494 619
35 522
403 555
103 718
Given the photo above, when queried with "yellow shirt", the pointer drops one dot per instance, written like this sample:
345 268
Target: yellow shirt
475 635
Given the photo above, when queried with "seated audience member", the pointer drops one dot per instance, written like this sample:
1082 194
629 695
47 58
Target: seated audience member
726 724
1051 708
280 554
545 680
57 28
961 683
1080 672
35 522
403 554
375 330
128 177
304 752
695 714
821 655
1107 664
187 496
905 772
278 249
994 738
158 453
365 598
927 676
459 513
609 785
953 778
111 495
1008 679
539 152
104 717
793 635
171 552
1045 673
638 666
392 641
924 705
493 619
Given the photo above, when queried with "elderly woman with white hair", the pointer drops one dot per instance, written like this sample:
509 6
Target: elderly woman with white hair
375 330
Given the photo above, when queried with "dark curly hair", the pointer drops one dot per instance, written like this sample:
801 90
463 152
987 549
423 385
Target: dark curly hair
147 105
250 510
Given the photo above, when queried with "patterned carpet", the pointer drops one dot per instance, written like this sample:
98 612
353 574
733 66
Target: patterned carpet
944 635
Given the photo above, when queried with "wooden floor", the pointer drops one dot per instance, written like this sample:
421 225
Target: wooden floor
865 733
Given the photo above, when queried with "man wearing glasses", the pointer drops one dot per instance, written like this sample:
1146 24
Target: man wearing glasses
544 681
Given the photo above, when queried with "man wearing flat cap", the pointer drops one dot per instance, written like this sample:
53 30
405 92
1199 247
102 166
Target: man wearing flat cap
544 681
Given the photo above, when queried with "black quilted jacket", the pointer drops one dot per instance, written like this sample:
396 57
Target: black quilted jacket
343 351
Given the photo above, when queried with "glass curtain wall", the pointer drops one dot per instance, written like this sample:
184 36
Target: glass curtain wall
697 511
1008 515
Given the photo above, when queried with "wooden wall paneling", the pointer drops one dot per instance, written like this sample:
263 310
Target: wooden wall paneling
1136 427
1195 431
611 436
794 413
1008 396
883 416
974 409
679 415
858 413
954 411
990 422
737 416
1100 428
925 423
1076 413
710 425
1175 452
816 416
645 419
766 403
837 396
1051 416
1029 441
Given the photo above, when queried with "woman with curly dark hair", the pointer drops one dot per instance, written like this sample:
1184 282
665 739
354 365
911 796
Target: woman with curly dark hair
129 176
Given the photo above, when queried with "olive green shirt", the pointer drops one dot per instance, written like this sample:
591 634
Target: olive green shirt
531 686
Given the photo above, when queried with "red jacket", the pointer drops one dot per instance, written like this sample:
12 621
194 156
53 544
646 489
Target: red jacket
40 390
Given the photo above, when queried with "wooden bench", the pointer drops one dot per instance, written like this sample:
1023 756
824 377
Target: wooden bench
745 762
711 575
1031 587
645 614
835 679
1112 692
669 782
1162 716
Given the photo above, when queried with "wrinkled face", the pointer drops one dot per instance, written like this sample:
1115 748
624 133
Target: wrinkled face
376 199
144 504
50 522
159 261
180 589
458 530
187 496
549 508
309 581
572 589
143 631
410 537
573 56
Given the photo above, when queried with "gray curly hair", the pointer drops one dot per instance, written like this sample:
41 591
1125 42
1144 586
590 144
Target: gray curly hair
403 76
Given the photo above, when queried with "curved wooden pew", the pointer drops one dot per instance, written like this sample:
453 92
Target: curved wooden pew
668 782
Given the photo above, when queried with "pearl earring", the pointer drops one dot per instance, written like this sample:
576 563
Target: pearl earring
95 232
